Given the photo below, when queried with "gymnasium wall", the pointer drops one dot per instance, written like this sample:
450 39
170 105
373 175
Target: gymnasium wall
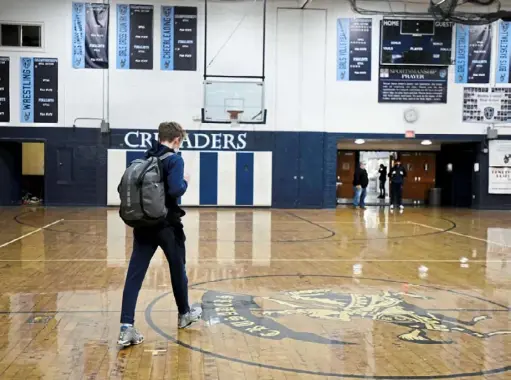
288 162
302 92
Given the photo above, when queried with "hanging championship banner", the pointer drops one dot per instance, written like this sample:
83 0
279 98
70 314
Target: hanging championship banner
178 38
90 35
503 53
473 53
354 49
486 105
135 37
5 103
39 90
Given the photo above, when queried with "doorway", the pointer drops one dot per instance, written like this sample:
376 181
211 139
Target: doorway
377 165
22 172
348 161
420 167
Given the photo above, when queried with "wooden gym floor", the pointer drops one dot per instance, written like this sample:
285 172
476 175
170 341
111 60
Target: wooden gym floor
287 295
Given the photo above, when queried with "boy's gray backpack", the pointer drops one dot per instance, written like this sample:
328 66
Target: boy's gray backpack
142 192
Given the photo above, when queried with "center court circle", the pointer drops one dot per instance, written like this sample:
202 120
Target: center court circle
403 320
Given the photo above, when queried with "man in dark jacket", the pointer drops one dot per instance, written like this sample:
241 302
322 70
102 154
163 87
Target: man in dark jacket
360 182
382 179
169 236
397 177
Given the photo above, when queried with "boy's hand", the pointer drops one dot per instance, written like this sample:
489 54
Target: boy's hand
187 177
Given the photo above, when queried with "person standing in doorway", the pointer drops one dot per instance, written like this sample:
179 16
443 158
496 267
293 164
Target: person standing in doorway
397 177
383 180
360 182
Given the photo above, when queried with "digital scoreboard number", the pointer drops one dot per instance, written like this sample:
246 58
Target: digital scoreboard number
416 42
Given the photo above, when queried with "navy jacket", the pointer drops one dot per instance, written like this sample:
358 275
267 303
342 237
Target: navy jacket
360 178
397 174
175 184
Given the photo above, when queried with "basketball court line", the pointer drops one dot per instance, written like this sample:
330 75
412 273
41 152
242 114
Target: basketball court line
30 233
244 221
460 234
277 260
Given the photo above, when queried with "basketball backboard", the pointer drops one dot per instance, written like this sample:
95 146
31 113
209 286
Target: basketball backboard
223 96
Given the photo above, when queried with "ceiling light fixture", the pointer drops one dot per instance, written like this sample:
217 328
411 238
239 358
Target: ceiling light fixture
359 141
426 142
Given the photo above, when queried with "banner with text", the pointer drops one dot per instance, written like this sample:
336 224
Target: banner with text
178 38
473 53
39 90
503 53
90 35
499 180
354 49
401 84
135 37
5 99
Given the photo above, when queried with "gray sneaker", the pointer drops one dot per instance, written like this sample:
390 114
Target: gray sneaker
129 335
192 316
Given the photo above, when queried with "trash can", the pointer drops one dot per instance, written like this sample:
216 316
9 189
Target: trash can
435 196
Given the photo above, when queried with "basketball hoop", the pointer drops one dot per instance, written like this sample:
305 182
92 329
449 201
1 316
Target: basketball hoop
234 117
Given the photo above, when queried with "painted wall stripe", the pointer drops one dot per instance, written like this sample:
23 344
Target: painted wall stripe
226 185
208 178
115 170
244 179
232 178
192 162
262 178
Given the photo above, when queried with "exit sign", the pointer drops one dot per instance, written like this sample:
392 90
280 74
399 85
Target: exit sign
410 134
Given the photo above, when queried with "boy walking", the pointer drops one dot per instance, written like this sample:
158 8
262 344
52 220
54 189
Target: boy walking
168 235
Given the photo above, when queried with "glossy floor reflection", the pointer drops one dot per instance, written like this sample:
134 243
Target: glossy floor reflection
423 294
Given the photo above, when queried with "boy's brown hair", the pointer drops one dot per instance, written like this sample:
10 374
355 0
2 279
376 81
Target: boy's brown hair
169 130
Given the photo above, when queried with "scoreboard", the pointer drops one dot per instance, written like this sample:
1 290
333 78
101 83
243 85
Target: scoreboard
416 42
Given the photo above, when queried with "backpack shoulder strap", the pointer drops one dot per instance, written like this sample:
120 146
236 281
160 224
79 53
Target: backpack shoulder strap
164 156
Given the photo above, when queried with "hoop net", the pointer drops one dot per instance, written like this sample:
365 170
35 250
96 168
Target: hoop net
234 117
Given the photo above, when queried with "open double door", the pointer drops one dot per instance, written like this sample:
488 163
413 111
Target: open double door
420 167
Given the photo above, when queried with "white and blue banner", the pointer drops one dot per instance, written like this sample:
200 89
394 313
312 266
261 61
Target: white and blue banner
178 38
90 35
218 178
5 90
354 49
473 53
503 53
39 90
134 37
27 90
